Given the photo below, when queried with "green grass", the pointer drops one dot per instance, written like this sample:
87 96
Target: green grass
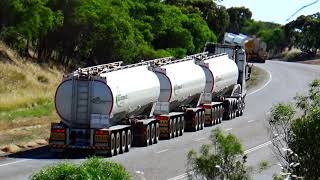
23 83
257 76
36 110
263 165
92 168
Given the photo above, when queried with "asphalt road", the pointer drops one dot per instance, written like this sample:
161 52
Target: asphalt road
167 159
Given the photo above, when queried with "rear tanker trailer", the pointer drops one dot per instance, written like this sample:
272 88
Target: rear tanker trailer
108 108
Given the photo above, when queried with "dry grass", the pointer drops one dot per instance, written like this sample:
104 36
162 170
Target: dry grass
257 76
25 84
25 137
314 62
26 100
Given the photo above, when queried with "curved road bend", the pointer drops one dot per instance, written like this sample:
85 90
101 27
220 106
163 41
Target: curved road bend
167 159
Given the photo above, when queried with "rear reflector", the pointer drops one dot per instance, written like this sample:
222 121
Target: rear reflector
58 130
101 132
207 106
163 118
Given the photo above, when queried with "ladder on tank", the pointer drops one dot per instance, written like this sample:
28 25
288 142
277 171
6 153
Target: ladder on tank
81 105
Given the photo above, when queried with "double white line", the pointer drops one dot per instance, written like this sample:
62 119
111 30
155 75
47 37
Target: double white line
184 175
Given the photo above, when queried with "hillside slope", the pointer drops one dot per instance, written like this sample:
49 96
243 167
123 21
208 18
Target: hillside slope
26 98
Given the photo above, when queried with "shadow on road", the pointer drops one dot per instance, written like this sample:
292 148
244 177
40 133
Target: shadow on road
45 153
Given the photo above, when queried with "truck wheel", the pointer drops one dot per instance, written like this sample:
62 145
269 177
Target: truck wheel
235 109
232 110
202 119
238 113
214 116
152 133
129 141
118 139
219 114
112 145
157 133
168 135
242 107
123 142
197 122
232 114
177 129
229 116
147 136
181 125
238 108
172 129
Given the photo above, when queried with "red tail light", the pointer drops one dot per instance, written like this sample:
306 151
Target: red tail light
163 118
58 130
99 132
206 106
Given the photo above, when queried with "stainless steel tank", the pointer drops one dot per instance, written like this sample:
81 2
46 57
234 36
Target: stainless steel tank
104 100
109 98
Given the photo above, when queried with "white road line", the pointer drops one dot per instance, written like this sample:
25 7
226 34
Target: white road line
270 78
179 177
258 147
165 150
6 164
245 152
249 150
199 139
251 121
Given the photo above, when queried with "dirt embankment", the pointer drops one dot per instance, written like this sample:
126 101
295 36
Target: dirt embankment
258 76
314 62
26 107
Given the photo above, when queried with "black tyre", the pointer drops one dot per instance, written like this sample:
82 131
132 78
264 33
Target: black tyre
112 151
118 143
201 115
181 125
129 140
214 116
123 142
157 133
147 136
196 125
221 111
152 133
172 127
177 128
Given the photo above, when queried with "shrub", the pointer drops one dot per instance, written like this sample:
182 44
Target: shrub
92 168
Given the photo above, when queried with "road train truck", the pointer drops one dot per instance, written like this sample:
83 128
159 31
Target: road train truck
110 107
255 48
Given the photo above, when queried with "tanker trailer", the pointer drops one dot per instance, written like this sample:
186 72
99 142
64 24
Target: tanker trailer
256 49
108 107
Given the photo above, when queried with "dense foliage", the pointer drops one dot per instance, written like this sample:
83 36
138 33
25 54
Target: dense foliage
219 160
99 31
304 33
93 168
273 34
297 138
88 32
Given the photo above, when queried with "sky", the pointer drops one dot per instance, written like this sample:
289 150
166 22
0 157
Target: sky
277 11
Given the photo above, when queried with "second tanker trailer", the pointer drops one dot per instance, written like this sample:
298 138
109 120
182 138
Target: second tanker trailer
109 107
